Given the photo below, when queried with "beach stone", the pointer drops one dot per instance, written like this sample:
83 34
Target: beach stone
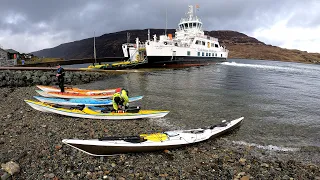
51 175
5 176
242 161
43 126
264 165
278 169
245 178
285 177
11 167
58 147
44 80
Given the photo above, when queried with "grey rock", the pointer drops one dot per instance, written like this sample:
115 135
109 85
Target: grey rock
285 177
5 176
51 175
11 167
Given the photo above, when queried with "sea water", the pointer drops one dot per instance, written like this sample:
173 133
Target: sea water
279 100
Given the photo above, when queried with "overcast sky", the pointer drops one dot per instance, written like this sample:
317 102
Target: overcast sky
31 25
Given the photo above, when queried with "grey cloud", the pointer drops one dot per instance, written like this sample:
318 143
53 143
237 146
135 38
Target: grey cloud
307 15
77 19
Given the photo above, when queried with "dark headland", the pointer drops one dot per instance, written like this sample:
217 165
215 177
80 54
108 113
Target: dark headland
240 46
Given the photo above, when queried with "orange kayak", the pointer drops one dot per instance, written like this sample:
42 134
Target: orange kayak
75 94
74 89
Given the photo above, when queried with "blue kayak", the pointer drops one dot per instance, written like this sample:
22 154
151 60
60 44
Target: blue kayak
81 101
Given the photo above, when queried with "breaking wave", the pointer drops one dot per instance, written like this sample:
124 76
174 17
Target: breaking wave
258 66
268 147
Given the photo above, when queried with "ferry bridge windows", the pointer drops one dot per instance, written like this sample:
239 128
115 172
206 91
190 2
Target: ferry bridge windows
198 25
221 55
209 54
188 53
186 25
194 24
216 55
216 45
202 53
198 53
203 43
190 25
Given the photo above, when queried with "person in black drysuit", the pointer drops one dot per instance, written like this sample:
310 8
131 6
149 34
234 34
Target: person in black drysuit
60 76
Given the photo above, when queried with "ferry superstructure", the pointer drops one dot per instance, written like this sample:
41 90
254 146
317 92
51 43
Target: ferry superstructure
188 47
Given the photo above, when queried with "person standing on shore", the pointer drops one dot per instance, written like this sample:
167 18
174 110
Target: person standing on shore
60 76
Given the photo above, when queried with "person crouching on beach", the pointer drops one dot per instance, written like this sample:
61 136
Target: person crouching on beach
120 100
60 76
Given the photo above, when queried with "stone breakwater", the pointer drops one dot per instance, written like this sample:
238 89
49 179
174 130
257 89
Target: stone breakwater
13 78
32 139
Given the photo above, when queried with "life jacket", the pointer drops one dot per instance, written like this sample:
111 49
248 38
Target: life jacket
123 95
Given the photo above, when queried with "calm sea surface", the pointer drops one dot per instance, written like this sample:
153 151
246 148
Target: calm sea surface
279 100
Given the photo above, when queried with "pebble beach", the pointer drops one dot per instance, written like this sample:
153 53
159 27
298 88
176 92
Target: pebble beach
32 139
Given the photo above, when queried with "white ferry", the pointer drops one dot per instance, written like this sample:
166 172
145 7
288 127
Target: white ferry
188 47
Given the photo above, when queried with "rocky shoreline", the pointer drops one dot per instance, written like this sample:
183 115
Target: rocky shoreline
11 78
32 139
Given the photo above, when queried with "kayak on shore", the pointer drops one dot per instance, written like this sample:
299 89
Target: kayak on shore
81 101
70 95
106 146
93 112
74 89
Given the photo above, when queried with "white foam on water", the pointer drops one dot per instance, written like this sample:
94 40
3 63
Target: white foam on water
258 66
268 147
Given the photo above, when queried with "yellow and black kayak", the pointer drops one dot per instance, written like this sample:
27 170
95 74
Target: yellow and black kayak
93 112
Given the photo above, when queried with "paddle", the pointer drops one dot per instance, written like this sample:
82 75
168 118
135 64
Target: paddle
132 139
80 107
104 109
128 110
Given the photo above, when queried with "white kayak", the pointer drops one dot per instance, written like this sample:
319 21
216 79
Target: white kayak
107 146
92 112
81 101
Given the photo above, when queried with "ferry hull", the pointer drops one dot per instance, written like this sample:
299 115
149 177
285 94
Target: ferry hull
181 61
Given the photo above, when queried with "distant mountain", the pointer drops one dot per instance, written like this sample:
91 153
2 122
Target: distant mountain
239 45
